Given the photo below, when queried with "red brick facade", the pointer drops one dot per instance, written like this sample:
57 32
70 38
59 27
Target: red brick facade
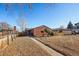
39 31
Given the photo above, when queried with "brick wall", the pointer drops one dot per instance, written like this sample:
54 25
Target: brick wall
39 31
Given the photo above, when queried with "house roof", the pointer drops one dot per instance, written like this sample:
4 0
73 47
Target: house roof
41 26
76 23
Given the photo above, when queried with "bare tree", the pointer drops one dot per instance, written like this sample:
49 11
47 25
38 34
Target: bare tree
22 24
61 27
21 20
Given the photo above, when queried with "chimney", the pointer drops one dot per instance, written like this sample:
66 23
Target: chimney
14 29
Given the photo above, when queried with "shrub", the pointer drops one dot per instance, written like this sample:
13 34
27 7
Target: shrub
51 33
60 30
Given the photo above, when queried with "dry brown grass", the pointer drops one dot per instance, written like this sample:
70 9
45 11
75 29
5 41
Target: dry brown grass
68 45
58 34
24 47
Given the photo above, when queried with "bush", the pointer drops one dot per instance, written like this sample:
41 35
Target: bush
51 33
21 34
60 31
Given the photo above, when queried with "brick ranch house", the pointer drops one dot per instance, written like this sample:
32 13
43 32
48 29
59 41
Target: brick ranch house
38 31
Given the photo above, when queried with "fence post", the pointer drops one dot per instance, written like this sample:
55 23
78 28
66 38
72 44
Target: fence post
1 44
11 38
14 36
7 40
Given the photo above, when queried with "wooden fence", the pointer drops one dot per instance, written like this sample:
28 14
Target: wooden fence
7 40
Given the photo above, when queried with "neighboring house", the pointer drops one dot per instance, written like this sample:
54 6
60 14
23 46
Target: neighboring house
3 28
77 25
39 31
65 31
75 30
6 29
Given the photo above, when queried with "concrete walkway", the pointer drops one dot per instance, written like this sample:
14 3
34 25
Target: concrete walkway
46 48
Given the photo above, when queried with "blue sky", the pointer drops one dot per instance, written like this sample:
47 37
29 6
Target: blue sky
51 15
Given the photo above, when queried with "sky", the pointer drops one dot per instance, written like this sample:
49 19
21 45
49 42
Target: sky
52 15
